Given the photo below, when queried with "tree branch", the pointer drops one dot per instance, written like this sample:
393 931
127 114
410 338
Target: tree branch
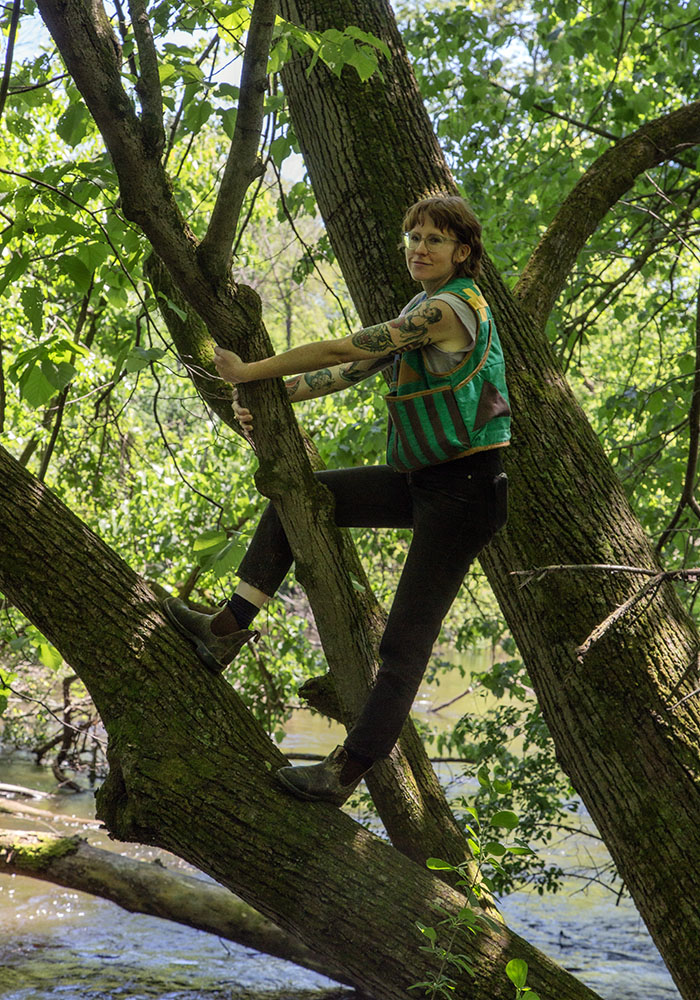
687 498
9 52
242 165
148 83
144 887
602 185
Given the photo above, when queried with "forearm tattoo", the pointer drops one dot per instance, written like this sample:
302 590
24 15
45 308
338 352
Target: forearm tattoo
292 384
356 371
413 332
318 379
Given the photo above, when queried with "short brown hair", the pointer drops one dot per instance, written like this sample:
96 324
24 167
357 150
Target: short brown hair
449 212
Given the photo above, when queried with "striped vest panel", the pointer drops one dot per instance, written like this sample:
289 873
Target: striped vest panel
436 417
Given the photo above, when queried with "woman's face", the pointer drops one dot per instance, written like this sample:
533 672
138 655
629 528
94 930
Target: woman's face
432 254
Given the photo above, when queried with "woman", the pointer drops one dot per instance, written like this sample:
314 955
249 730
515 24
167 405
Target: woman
449 419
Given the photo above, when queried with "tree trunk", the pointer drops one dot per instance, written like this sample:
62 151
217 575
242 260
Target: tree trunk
145 887
612 712
404 787
191 771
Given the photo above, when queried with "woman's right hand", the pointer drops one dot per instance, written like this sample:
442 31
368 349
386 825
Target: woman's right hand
243 416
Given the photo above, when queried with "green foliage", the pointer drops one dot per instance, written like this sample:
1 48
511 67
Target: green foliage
525 98
516 970
476 881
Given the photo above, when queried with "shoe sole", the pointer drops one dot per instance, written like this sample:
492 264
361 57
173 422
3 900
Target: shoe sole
205 657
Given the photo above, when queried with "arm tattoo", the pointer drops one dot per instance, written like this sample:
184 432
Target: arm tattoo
356 371
413 329
413 332
319 379
374 338
292 384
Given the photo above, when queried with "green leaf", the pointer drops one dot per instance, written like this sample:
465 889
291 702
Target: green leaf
502 787
483 777
371 40
166 72
34 387
494 848
364 61
32 300
16 266
437 865
516 970
429 932
506 819
50 656
180 313
74 123
77 271
140 357
209 541
226 559
59 375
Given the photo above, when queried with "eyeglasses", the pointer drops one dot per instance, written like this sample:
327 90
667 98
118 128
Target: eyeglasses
432 243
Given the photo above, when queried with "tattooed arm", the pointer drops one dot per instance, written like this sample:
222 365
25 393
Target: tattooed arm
432 322
311 385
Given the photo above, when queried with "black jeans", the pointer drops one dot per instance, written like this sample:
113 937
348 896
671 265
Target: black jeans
454 510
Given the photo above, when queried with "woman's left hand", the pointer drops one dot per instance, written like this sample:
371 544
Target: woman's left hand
229 366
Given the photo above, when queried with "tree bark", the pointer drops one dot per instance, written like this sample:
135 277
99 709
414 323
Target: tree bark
404 787
612 715
145 887
191 771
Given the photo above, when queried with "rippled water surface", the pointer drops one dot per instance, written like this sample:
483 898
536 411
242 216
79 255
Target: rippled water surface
55 943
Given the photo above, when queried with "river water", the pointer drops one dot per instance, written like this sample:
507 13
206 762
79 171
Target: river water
65 945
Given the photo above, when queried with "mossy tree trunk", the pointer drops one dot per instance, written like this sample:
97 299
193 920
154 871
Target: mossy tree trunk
191 771
631 749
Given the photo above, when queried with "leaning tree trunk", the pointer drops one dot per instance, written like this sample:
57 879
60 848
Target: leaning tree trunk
191 771
631 748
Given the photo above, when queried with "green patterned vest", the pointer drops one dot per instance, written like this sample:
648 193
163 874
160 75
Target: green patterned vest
436 417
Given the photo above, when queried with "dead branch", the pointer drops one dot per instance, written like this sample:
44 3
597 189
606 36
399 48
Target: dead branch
145 887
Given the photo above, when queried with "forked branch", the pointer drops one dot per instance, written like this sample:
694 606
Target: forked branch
243 165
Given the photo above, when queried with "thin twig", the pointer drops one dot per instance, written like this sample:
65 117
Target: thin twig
47 708
538 572
687 498
586 126
170 451
650 587
9 53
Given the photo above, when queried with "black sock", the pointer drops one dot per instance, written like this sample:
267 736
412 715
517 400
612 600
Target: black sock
242 610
